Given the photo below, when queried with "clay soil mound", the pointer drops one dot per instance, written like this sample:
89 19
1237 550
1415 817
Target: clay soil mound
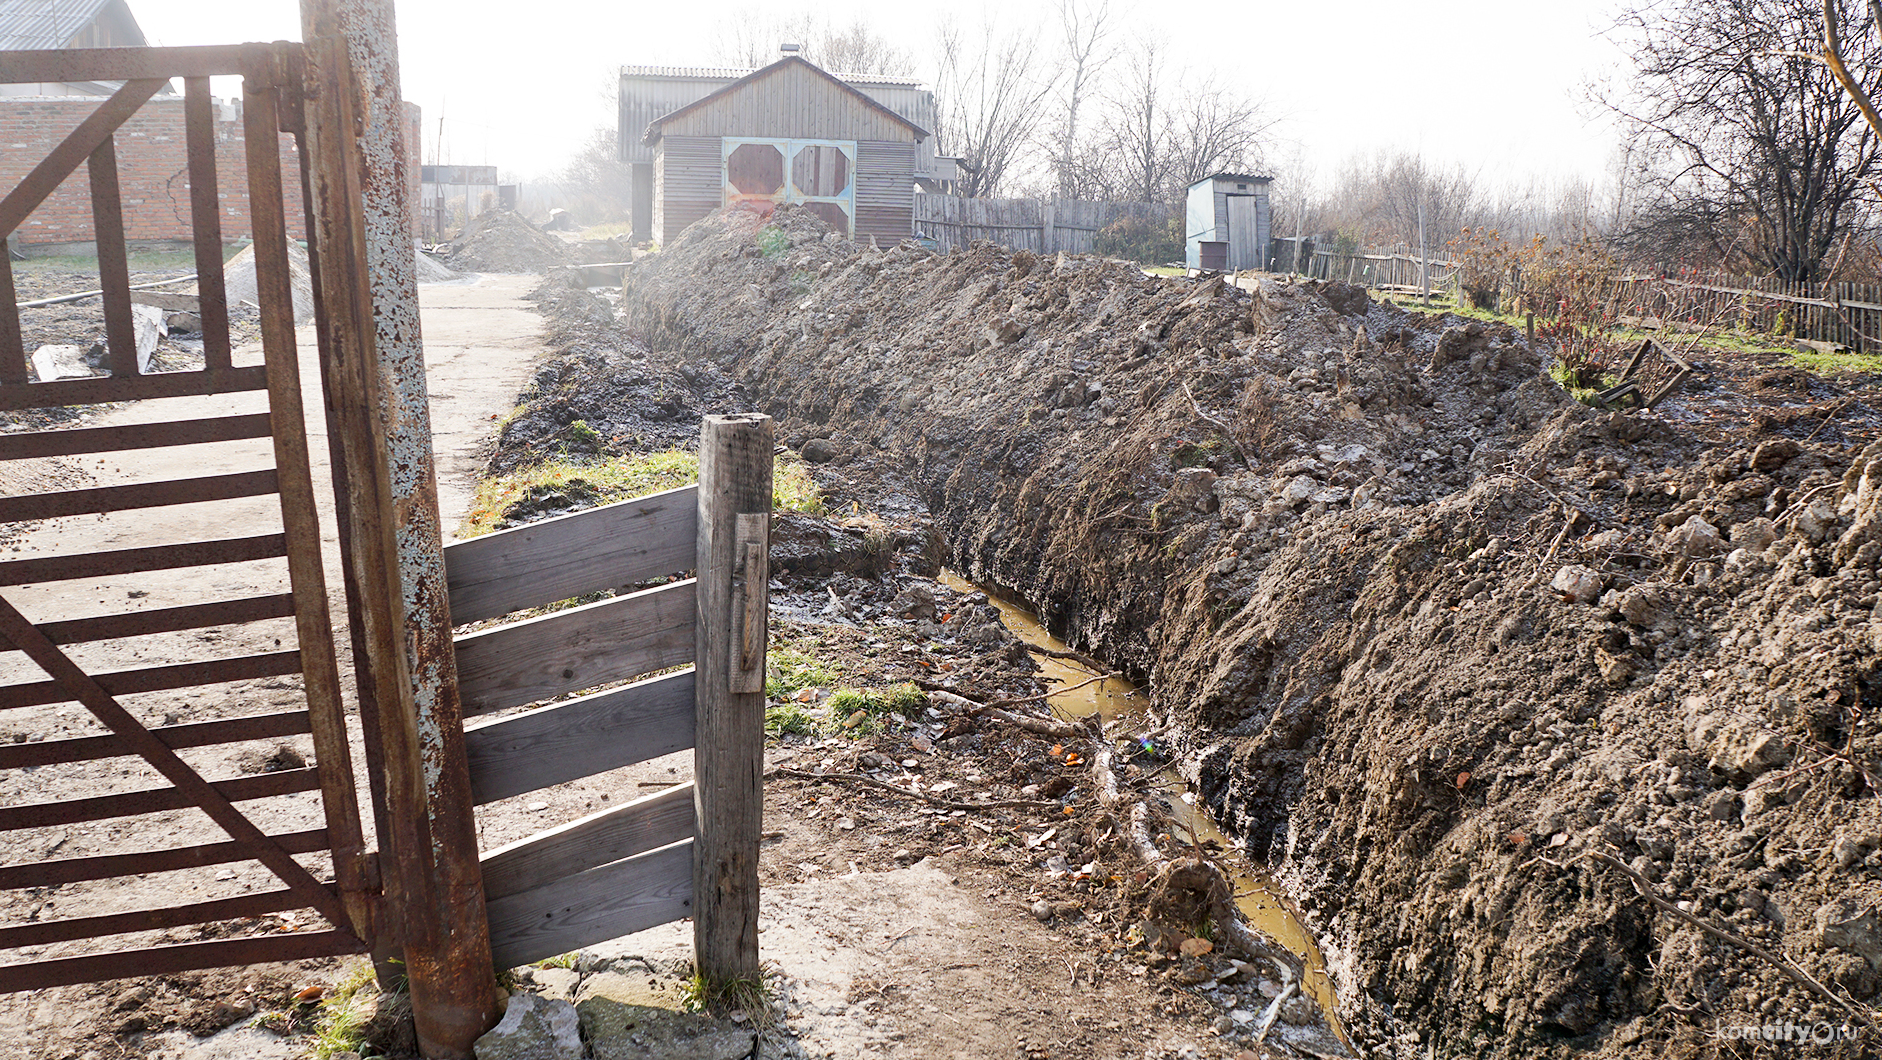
1436 640
502 241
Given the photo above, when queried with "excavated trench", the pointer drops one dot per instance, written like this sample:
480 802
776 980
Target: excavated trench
1428 634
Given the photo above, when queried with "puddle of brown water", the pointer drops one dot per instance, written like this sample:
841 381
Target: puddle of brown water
1117 700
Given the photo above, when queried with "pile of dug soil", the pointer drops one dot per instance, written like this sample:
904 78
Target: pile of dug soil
502 241
1437 639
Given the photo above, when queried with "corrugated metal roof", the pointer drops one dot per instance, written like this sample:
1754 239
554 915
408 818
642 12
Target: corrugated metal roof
712 73
34 25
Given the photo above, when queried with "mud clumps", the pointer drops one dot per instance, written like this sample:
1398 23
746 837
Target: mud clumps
1330 537
502 241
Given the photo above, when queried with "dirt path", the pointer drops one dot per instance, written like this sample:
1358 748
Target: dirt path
481 340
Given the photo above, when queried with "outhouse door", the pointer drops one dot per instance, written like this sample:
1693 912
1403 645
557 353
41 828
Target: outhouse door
1244 243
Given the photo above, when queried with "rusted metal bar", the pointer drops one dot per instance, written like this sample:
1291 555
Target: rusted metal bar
175 737
165 620
118 64
139 560
140 495
46 932
189 783
114 270
155 800
397 543
12 346
134 388
75 148
167 960
735 467
199 128
35 444
152 678
106 866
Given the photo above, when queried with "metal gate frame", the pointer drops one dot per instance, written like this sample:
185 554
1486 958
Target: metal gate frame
272 88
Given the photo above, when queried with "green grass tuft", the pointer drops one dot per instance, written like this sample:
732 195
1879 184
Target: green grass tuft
1832 363
876 706
620 478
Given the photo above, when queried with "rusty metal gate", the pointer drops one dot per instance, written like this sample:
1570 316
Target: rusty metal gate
260 399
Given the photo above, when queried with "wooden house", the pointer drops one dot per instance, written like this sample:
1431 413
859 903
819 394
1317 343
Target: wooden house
788 133
1227 218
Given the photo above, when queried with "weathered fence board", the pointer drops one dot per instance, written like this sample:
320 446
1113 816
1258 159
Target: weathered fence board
613 545
1043 226
613 640
622 831
606 902
579 738
105 866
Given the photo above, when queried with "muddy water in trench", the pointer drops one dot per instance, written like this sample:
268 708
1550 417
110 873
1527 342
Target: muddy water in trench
1115 700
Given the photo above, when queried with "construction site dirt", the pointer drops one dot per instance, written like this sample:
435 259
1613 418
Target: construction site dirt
1557 722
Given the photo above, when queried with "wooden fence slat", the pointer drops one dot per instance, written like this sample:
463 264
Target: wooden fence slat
167 960
556 559
579 738
602 903
106 866
619 832
582 647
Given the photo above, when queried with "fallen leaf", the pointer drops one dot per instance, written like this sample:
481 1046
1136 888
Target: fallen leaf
1463 779
1196 947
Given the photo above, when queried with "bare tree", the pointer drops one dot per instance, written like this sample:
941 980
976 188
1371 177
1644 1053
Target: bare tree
1135 131
1085 35
1212 129
1759 156
751 39
990 99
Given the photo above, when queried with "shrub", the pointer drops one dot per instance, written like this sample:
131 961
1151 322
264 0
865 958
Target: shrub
1141 240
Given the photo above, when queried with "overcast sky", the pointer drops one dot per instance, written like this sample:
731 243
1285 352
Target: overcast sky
1491 84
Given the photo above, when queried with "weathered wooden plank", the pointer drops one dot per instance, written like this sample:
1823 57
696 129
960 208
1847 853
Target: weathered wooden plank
579 738
165 960
601 548
735 466
598 839
164 620
105 866
614 640
602 903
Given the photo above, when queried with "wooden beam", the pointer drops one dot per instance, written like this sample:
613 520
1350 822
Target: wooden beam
735 462
579 738
602 903
613 640
608 547
621 832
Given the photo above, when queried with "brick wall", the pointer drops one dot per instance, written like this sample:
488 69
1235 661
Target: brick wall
153 173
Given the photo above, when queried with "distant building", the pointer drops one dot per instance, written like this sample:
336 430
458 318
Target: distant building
1227 217
36 25
851 148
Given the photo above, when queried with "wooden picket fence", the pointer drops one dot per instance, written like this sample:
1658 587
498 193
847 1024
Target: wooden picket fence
1835 314
1389 268
1044 226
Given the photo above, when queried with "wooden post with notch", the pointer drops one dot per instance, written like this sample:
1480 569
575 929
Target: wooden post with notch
735 460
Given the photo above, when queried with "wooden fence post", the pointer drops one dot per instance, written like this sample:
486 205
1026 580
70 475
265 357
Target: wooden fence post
735 459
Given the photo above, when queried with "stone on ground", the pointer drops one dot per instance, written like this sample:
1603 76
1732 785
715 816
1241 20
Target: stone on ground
533 1029
618 1031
